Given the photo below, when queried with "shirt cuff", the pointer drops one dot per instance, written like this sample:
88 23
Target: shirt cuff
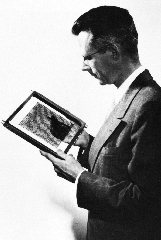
76 181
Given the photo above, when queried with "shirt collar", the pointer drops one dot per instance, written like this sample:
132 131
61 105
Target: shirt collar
126 84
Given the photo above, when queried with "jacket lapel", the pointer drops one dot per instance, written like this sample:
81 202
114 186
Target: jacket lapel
114 119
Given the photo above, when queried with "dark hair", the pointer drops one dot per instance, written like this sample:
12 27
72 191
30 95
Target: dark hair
109 24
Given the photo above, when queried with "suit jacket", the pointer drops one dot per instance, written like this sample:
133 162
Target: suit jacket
122 189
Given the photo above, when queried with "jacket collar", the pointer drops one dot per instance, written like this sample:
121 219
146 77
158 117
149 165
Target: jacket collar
124 104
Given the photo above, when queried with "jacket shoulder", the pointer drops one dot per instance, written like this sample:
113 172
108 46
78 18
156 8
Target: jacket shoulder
149 89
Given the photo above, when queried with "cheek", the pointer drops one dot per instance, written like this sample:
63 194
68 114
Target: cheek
95 66
102 65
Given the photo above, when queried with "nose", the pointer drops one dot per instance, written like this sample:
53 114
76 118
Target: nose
85 67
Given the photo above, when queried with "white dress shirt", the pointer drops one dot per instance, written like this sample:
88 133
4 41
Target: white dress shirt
126 84
118 95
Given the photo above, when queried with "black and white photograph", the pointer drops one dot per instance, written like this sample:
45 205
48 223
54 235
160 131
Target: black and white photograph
82 159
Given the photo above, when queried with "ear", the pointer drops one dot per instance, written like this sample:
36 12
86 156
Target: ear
115 51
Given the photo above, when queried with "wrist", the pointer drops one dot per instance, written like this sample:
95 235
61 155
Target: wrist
76 180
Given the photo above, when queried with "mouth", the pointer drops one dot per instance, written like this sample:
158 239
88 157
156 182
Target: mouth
94 75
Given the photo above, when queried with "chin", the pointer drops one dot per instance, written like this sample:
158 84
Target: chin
101 82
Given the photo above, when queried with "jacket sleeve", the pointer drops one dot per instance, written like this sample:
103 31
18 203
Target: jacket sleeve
143 184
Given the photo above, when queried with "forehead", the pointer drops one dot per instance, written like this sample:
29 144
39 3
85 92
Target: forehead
85 41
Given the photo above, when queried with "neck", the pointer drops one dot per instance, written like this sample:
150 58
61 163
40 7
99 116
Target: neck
126 71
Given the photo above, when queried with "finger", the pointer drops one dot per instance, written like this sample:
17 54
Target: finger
56 169
71 155
44 154
59 172
61 154
49 156
55 160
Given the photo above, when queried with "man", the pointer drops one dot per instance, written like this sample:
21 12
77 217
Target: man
122 187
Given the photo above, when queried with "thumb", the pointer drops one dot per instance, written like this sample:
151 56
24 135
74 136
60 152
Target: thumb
61 154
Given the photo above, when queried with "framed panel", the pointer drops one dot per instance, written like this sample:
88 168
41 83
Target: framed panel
45 124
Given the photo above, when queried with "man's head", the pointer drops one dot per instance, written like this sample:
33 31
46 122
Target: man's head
107 30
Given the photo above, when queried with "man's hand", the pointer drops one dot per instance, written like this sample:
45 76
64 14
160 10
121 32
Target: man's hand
82 140
69 165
